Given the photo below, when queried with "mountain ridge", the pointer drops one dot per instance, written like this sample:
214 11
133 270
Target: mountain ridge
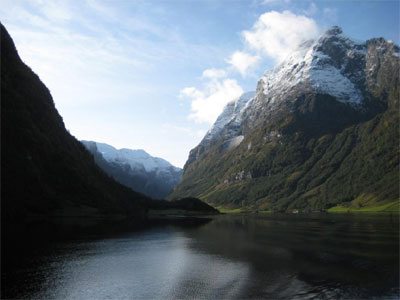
292 117
136 169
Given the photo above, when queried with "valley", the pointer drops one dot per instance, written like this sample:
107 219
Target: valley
290 189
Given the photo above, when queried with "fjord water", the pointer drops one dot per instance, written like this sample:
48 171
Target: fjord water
319 256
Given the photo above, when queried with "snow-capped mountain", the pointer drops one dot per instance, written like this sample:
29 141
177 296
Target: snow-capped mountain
327 65
136 169
317 102
334 65
136 159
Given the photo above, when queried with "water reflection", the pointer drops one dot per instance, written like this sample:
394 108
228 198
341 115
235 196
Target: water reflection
322 256
231 257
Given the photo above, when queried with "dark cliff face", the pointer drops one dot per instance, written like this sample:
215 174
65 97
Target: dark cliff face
309 144
45 170
382 75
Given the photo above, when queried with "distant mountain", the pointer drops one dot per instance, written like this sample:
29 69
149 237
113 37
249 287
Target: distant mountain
152 176
321 130
45 170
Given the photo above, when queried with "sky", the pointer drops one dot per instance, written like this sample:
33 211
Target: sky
155 75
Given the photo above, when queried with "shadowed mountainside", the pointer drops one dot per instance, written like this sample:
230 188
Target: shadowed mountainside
45 170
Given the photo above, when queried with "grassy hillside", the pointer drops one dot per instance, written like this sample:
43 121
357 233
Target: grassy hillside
358 165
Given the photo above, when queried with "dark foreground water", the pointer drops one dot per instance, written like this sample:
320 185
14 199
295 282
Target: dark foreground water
228 257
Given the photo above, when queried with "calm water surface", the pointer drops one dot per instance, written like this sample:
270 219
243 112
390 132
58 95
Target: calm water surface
228 257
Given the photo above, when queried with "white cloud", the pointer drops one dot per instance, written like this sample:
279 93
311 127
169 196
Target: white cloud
207 105
243 61
190 92
214 73
273 35
277 34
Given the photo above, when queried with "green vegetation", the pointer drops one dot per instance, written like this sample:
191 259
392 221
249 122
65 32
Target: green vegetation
242 210
174 212
229 211
389 207
315 173
328 154
188 204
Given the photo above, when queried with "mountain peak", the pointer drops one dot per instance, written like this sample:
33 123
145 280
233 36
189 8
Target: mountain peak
330 71
330 65
319 119
334 30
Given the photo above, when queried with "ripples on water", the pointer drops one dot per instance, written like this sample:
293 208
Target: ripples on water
230 257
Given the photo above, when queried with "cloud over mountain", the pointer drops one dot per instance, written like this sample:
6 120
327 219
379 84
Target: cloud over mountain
273 36
276 34
207 104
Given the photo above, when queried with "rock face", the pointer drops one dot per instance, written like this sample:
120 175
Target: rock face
136 169
227 123
315 133
45 170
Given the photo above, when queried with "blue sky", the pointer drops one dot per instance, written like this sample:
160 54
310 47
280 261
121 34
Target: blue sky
154 75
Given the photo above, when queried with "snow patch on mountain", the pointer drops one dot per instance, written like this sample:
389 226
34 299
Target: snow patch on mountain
232 112
326 65
314 64
136 159
334 65
136 169
236 141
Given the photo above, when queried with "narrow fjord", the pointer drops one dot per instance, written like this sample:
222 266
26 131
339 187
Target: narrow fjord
290 190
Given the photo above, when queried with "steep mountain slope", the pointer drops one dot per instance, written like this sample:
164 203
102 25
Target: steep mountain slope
152 176
321 130
45 170
226 124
